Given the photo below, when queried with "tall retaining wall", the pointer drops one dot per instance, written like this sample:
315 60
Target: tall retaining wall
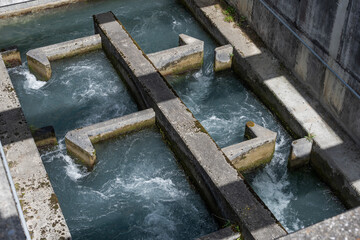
330 29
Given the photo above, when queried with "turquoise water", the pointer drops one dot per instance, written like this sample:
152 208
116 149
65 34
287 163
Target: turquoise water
220 101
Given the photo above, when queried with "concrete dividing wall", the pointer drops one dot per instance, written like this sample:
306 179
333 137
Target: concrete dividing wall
9 8
225 191
328 27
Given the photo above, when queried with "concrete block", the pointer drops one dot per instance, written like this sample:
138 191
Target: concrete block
256 151
223 57
223 234
79 142
188 56
44 137
300 153
219 183
11 57
41 209
39 58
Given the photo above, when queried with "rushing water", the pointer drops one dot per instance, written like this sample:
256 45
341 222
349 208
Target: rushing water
84 91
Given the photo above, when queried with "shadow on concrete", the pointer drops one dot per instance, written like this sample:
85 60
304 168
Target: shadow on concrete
12 127
10 228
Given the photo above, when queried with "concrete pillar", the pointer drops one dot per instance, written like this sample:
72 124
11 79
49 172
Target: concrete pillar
11 57
223 57
300 153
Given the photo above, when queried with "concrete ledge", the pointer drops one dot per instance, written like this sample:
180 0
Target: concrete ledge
255 152
335 156
24 7
39 203
39 58
79 142
300 153
223 57
223 234
219 183
342 226
11 57
188 56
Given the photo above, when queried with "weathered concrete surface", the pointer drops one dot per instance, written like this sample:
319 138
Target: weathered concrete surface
9 8
10 225
256 151
343 226
335 156
336 42
39 58
44 137
219 183
188 56
39 203
223 234
223 57
11 57
300 153
79 142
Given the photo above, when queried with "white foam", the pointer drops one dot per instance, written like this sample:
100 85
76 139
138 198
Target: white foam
31 82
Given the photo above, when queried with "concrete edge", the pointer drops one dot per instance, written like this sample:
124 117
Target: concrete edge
31 7
187 56
39 203
39 58
256 151
223 234
79 142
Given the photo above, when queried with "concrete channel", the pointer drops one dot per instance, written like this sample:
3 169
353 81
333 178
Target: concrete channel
334 155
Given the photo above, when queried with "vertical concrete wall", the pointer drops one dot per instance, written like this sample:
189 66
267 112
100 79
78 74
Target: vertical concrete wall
328 27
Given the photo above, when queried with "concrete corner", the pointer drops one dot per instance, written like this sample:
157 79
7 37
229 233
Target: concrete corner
79 142
256 151
223 57
300 153
188 56
39 58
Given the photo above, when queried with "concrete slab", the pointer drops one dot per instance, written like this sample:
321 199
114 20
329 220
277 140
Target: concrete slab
219 183
10 8
39 203
223 234
39 58
79 142
188 56
343 226
335 157
223 57
256 151
300 153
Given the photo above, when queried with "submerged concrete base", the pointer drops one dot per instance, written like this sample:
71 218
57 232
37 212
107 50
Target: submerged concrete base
11 57
300 153
255 152
188 56
223 57
79 142
219 183
39 203
39 58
